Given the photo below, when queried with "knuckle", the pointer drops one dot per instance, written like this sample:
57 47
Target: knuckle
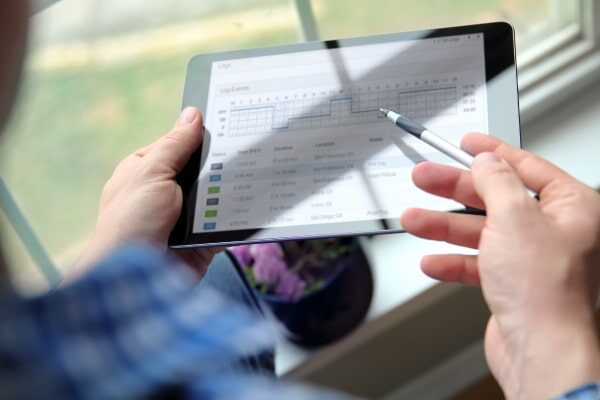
151 169
122 165
178 137
173 136
501 170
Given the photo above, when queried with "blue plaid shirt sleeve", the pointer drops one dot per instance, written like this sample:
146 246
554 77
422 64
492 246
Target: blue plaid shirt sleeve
590 391
133 328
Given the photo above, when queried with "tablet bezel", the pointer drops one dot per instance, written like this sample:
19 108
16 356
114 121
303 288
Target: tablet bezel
502 102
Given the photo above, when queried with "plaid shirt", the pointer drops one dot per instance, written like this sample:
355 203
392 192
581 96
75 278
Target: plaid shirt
136 328
133 328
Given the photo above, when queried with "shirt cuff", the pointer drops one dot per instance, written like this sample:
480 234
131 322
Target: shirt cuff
589 391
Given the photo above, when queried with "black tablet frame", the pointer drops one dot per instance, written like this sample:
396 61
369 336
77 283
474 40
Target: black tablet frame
503 115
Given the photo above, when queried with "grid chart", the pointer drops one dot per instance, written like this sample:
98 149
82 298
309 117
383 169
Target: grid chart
360 108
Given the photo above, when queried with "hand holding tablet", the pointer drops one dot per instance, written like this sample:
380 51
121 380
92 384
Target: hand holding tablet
296 147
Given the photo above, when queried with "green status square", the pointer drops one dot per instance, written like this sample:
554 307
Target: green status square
210 213
214 189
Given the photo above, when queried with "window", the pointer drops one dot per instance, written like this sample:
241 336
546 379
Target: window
558 50
105 77
532 19
102 79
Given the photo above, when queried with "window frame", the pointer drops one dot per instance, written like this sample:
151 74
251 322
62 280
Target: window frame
560 66
550 72
37 6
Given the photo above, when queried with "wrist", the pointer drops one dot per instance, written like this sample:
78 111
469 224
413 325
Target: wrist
560 358
102 243
97 248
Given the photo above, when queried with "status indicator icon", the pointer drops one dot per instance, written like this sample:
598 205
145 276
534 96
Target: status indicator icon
210 213
209 226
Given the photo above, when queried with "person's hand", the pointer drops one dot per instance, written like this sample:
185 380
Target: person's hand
142 200
538 262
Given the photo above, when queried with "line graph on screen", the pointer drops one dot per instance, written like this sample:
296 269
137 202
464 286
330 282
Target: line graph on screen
314 109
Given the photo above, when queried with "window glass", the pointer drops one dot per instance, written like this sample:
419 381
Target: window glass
102 79
105 77
533 19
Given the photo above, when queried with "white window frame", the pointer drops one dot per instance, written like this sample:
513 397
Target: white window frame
39 5
562 65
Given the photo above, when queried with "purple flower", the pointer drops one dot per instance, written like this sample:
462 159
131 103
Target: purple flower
268 269
289 286
266 250
242 254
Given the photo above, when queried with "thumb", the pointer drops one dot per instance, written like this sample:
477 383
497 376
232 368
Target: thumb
175 148
500 188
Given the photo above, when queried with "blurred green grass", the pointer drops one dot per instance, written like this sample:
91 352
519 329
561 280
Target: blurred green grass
342 18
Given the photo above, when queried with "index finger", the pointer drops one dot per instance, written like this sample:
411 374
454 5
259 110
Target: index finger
535 172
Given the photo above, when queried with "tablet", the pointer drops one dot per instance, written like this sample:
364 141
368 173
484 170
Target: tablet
295 146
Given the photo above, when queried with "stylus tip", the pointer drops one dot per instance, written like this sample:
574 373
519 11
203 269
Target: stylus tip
384 110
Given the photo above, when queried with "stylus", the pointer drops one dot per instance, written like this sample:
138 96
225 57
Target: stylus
420 132
435 141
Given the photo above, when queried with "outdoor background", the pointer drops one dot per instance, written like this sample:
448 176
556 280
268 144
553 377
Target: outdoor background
105 77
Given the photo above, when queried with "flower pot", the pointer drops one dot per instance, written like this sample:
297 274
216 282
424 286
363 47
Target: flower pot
331 311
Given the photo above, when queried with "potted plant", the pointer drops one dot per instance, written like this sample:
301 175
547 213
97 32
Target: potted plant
319 289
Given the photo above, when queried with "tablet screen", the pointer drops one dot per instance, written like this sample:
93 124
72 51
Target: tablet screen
295 144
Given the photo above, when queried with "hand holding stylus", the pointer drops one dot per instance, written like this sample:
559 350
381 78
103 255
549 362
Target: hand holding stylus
538 262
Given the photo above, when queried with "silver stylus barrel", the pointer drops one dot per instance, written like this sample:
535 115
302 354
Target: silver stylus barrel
447 148
435 141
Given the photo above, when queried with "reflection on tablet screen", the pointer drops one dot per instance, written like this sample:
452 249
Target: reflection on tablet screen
296 140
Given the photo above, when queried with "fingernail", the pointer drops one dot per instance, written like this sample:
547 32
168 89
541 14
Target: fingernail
188 115
485 158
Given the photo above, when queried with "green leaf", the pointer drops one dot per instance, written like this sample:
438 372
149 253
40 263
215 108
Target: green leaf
249 272
313 286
